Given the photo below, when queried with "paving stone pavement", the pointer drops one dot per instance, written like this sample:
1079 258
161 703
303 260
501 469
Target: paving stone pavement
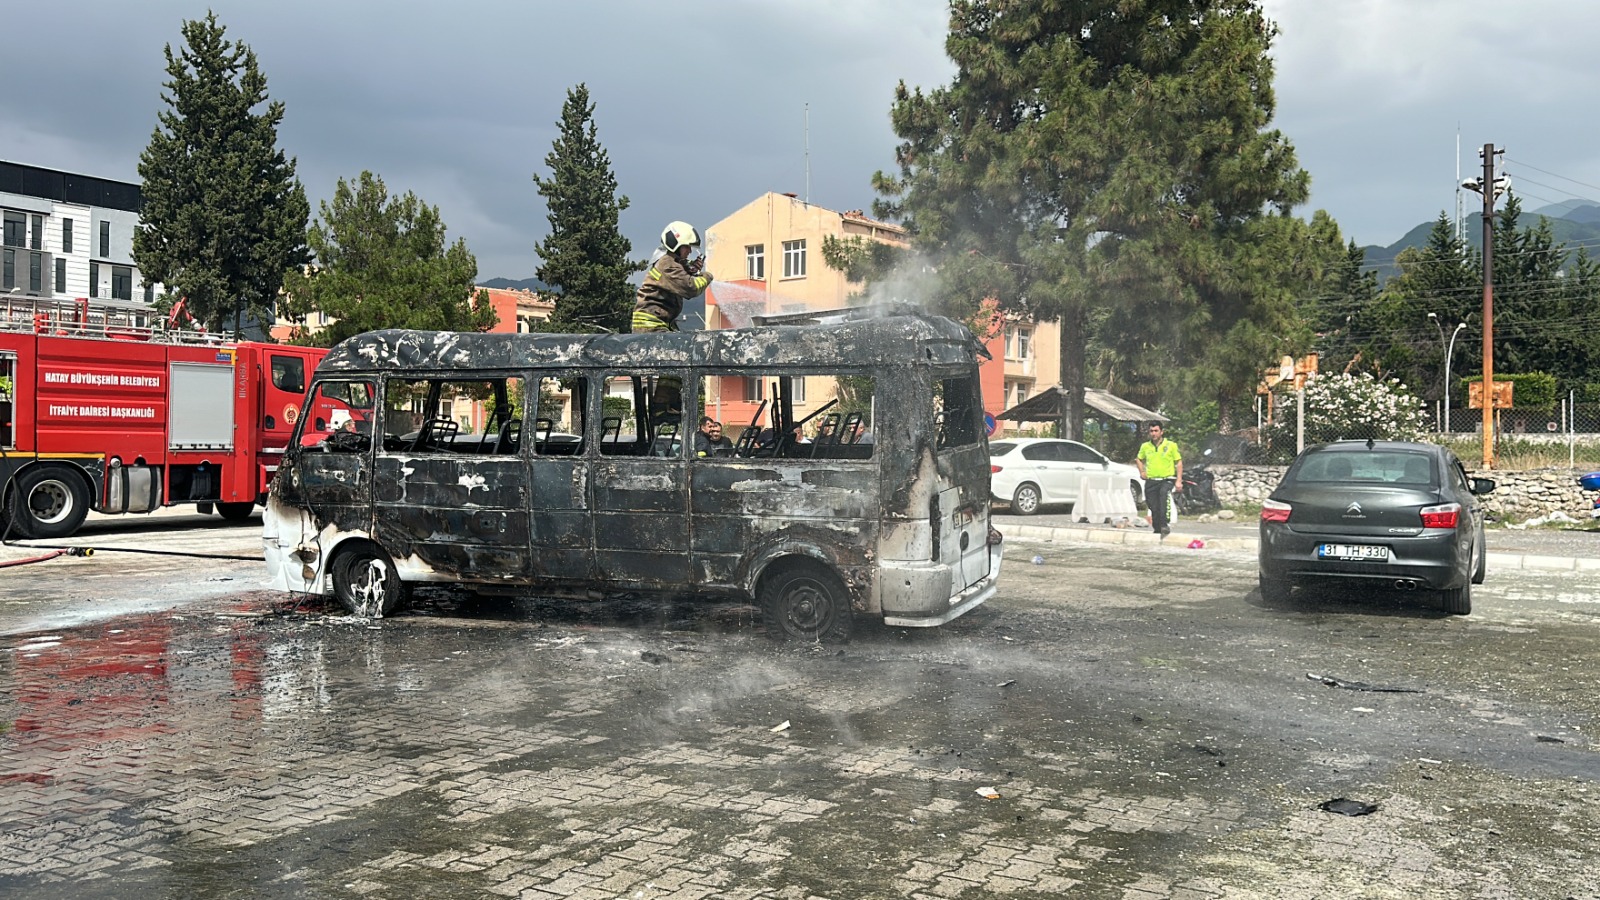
242 751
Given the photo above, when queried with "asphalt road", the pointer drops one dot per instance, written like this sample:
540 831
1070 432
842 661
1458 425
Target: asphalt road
1121 721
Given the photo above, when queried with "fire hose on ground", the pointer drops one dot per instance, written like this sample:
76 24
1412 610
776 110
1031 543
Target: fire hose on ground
64 551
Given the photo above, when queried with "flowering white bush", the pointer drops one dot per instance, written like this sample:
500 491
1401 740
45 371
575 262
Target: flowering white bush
1351 407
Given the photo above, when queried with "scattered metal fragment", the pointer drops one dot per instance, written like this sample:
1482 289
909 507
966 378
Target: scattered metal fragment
1361 685
988 793
1007 683
1549 739
1346 807
781 726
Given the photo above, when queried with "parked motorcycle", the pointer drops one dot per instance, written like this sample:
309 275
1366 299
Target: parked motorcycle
1199 494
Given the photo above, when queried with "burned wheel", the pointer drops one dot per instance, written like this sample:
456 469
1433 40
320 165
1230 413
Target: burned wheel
1025 502
365 582
48 502
806 603
236 512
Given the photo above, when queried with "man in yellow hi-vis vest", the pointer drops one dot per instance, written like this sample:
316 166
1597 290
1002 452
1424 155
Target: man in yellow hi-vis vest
1161 467
671 279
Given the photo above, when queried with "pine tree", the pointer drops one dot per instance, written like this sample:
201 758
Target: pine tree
1107 163
224 216
383 263
585 257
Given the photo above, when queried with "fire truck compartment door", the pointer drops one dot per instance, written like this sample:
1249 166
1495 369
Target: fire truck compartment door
200 414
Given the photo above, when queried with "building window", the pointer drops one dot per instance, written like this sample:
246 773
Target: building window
797 389
16 230
755 259
66 235
94 279
752 390
149 293
122 282
36 273
105 239
1024 342
794 259
8 269
61 275
38 233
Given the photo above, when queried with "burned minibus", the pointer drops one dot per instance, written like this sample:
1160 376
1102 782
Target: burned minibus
858 484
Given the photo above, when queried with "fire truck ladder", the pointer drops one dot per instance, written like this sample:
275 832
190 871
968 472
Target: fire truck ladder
108 320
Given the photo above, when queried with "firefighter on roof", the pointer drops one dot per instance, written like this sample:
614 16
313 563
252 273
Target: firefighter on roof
671 279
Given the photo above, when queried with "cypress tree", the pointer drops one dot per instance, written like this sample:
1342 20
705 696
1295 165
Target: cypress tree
584 256
224 216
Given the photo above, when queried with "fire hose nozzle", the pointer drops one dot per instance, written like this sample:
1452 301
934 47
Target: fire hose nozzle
80 551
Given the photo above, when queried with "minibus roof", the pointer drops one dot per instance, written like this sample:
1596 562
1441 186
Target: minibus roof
898 339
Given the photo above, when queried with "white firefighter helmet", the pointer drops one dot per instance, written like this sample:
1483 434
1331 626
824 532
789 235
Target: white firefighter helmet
679 234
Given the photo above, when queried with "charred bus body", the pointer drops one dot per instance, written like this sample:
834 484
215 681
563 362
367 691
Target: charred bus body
585 476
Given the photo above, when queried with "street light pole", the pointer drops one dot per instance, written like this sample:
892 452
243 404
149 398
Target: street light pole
1434 318
1448 355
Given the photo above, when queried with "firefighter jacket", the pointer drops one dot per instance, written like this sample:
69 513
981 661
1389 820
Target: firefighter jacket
666 285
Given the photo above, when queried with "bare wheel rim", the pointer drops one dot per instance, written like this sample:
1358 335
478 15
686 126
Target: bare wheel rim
368 580
807 606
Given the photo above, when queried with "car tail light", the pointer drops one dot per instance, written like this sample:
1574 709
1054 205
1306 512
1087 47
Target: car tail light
993 469
1443 516
1275 511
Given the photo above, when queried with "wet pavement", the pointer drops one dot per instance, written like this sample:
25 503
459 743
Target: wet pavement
1123 720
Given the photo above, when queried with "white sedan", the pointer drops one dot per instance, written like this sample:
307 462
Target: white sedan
1029 473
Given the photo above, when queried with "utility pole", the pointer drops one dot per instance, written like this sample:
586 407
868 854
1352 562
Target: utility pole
1490 187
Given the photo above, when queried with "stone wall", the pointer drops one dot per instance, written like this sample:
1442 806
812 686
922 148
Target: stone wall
1517 497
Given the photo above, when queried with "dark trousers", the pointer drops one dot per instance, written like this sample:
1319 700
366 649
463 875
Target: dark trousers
1156 491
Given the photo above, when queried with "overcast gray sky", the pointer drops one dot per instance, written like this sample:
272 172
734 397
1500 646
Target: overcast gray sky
703 106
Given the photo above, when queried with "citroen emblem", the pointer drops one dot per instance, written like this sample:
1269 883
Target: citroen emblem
1353 509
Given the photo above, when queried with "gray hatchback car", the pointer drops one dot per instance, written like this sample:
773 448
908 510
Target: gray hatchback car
1393 514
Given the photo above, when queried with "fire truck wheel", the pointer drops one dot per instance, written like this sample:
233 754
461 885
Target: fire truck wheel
48 502
236 512
365 582
805 603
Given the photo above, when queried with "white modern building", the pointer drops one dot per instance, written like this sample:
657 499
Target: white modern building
68 236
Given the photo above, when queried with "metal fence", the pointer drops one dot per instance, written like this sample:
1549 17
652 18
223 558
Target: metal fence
1567 433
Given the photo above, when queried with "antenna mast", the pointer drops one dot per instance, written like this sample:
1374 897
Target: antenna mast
1461 218
808 154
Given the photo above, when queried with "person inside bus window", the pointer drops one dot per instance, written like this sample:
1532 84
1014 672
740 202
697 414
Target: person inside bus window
711 441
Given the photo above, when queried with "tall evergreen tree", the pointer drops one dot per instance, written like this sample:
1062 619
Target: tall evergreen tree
1107 163
224 216
383 263
585 256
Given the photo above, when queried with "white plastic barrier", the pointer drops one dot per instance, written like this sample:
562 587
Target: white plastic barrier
1104 498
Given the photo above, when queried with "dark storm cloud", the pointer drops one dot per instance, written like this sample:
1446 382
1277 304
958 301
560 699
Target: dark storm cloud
701 107
1373 93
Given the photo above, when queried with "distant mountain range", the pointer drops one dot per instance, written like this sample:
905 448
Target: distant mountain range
1573 222
506 284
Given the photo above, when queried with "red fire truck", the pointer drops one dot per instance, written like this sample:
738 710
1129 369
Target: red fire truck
101 410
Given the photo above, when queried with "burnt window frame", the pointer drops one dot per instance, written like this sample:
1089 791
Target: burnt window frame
577 386
434 429
646 384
